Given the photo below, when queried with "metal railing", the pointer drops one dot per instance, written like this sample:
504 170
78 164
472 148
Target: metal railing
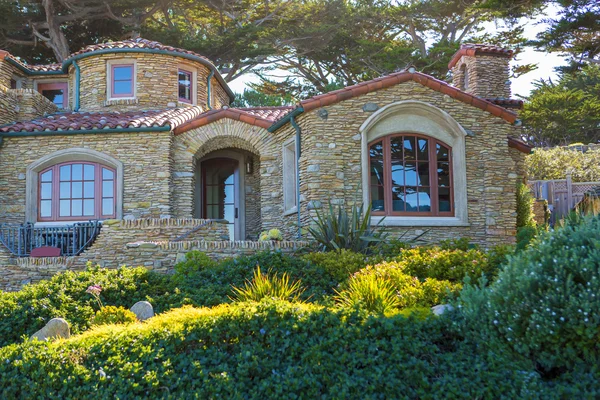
70 239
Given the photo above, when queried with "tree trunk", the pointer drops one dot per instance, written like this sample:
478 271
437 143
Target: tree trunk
56 39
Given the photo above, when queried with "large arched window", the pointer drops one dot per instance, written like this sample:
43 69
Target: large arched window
410 174
75 191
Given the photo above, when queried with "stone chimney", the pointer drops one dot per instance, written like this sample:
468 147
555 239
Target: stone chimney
482 70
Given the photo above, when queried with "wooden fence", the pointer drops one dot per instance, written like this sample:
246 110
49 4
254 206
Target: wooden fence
562 194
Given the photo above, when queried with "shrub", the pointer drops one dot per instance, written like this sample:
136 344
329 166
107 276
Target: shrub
525 216
545 303
392 248
339 264
546 164
375 294
194 262
338 229
113 315
263 286
525 236
273 234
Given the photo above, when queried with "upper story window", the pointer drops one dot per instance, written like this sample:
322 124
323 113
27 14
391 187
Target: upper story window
122 80
410 175
57 93
76 191
185 79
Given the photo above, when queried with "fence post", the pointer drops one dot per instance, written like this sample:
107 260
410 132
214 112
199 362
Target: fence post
569 192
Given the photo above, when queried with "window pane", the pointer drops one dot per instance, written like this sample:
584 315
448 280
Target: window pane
77 209
398 203
411 199
423 174
410 173
65 190
376 171
46 208
409 148
108 189
377 202
123 87
46 191
65 208
423 149
77 190
88 190
397 173
107 206
444 199
442 152
88 208
88 172
185 85
107 174
77 172
376 150
424 200
47 176
124 72
396 148
443 171
54 95
65 173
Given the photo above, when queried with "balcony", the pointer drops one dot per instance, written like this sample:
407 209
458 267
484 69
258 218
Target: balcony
67 240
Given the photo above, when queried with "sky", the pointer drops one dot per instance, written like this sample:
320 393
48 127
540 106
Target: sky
520 86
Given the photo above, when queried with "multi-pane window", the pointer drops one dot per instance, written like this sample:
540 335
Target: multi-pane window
185 86
122 80
77 191
290 197
410 175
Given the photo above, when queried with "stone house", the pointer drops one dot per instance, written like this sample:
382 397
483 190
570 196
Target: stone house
140 135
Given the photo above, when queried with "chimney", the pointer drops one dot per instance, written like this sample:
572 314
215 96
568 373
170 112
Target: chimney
482 70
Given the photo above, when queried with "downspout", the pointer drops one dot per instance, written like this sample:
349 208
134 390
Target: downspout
76 88
208 88
298 132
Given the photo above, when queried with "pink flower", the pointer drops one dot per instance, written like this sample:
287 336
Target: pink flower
94 289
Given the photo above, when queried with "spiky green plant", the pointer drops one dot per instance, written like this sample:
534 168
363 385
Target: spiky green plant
340 229
371 292
264 286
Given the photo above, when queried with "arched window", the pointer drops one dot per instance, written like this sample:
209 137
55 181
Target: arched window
75 191
410 174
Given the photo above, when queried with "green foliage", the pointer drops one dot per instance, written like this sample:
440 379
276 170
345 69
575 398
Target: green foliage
339 229
339 264
273 234
253 98
524 206
393 247
374 294
263 286
544 304
113 315
193 263
555 162
268 350
525 236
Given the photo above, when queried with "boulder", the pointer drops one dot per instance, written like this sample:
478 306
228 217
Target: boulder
54 329
143 310
440 309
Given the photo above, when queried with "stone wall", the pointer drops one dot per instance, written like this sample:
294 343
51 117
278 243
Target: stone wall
219 95
145 157
22 105
7 71
488 76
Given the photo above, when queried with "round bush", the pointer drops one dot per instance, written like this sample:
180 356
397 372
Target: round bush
113 315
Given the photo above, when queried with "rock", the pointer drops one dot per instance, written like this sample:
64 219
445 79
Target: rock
55 328
142 310
440 309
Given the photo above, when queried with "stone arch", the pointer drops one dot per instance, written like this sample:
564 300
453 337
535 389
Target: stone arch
426 119
72 154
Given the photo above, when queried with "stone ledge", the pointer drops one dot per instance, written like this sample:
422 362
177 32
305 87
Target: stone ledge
157 222
221 244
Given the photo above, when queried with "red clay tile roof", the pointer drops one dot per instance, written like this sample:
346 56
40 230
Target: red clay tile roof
518 144
263 117
42 68
471 49
404 76
74 121
507 103
139 43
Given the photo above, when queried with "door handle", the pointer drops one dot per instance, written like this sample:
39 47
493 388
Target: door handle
236 213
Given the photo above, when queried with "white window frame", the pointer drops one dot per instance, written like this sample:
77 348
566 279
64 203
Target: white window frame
119 61
290 176
194 71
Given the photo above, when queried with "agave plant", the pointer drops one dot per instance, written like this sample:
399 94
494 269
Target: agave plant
339 229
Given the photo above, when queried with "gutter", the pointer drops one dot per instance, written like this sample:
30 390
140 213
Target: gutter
77 82
298 150
290 116
208 88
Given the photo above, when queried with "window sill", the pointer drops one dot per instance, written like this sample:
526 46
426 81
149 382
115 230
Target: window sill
185 103
121 101
60 223
293 210
419 221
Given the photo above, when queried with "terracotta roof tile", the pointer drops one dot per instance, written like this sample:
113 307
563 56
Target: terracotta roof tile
263 117
84 120
268 113
518 144
37 68
472 49
403 76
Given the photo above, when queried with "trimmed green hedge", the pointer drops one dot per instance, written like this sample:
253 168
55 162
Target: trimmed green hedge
266 350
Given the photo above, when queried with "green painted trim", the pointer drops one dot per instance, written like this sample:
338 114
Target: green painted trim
294 113
208 89
30 72
77 83
67 62
166 128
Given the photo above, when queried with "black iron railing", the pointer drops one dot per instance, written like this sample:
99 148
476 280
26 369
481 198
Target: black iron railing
70 239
